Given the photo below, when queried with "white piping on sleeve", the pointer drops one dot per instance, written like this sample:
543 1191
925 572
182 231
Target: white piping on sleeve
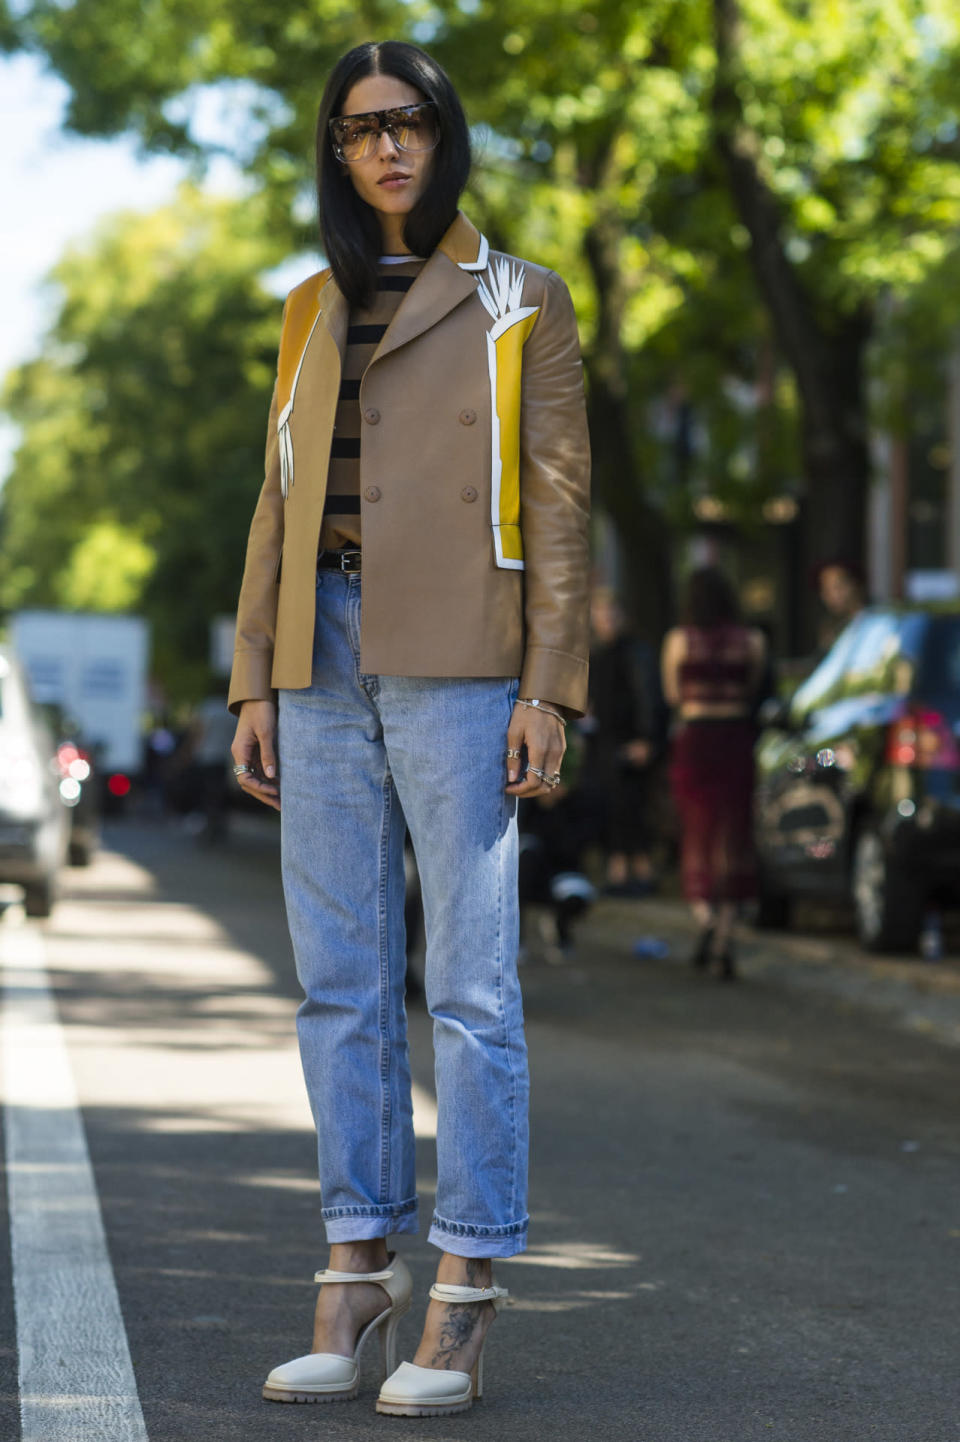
283 419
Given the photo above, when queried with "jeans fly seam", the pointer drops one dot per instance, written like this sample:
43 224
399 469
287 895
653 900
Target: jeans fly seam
354 628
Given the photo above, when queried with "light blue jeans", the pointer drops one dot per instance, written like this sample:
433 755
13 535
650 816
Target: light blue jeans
360 754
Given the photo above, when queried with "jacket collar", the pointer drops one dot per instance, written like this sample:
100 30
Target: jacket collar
449 276
464 245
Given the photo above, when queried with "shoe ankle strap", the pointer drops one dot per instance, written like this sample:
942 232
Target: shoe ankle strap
450 1292
328 1276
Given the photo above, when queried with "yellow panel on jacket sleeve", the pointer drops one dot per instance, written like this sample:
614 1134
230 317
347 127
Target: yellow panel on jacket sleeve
511 542
299 322
509 354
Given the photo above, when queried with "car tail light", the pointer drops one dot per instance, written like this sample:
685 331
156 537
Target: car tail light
922 738
73 762
118 784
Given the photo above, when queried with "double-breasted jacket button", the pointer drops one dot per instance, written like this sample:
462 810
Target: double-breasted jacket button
469 493
467 417
372 493
372 416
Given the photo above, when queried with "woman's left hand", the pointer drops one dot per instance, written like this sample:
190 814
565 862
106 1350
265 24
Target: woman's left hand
542 734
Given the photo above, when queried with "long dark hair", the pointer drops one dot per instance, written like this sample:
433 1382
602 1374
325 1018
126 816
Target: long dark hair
349 228
709 599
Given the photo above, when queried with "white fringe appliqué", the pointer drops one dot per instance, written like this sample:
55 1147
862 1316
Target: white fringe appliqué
502 290
285 442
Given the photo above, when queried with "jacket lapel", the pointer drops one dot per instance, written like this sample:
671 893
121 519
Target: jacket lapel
448 277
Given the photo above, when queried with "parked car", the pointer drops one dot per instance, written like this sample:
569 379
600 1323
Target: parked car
80 784
93 666
34 825
858 778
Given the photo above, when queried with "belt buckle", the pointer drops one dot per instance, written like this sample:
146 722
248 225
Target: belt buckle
349 562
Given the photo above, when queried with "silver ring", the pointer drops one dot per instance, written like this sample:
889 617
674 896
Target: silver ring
243 767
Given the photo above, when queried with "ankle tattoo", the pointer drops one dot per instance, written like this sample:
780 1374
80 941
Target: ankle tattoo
456 1329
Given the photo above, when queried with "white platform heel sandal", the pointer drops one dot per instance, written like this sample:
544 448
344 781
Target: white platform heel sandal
328 1377
413 1391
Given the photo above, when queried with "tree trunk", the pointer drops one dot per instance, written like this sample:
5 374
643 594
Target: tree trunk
643 537
826 354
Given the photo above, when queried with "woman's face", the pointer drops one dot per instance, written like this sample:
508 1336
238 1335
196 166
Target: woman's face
390 180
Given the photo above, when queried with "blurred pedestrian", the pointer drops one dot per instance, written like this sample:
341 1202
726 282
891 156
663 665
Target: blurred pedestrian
431 389
555 830
625 730
159 747
211 733
842 588
712 667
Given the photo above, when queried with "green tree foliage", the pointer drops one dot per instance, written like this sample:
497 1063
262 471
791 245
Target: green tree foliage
837 126
143 425
107 570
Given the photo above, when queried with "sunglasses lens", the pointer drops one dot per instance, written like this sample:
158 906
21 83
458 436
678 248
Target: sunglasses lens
416 128
355 139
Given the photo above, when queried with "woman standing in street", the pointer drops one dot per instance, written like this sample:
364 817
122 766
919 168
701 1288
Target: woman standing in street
625 732
426 455
712 668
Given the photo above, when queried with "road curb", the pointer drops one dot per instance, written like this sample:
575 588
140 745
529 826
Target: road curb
918 996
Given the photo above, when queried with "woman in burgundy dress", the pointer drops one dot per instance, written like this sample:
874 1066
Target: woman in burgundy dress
712 668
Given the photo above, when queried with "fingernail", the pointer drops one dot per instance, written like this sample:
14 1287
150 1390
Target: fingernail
512 773
270 770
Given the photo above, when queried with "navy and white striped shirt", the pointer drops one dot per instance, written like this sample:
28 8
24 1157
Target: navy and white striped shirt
367 327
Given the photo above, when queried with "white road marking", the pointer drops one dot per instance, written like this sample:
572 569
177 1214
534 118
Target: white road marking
76 1377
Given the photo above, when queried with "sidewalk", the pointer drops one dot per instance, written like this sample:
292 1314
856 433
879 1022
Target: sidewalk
919 996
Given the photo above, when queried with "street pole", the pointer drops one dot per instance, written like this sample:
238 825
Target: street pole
899 502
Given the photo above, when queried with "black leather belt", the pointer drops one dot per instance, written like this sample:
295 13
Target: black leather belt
347 560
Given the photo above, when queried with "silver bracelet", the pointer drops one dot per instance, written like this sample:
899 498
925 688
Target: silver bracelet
537 705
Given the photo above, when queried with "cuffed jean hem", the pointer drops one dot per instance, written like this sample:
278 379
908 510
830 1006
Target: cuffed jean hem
464 1240
361 1224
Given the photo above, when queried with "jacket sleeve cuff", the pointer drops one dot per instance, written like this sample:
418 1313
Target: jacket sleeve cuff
555 676
250 679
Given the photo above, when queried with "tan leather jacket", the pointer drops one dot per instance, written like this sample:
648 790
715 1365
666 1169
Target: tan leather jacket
474 480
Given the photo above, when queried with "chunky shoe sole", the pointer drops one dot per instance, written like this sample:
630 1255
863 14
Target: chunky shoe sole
423 1409
278 1394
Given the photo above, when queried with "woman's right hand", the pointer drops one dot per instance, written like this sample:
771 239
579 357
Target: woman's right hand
254 745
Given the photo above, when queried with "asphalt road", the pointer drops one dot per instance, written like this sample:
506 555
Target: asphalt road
745 1200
